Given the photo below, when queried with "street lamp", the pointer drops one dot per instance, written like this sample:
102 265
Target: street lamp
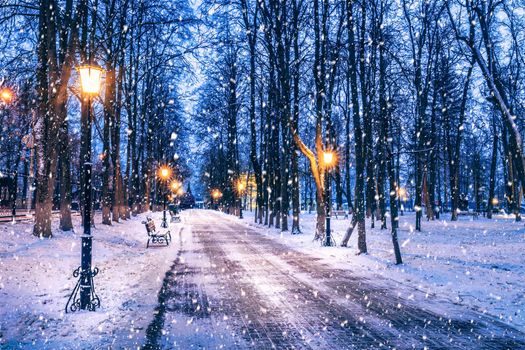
90 82
215 195
164 174
7 96
175 185
177 190
402 194
329 161
240 191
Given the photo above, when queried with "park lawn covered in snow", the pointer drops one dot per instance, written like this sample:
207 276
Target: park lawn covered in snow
36 281
478 263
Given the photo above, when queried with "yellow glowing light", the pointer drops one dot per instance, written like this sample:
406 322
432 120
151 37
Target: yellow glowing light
175 186
495 201
90 79
180 192
401 192
240 186
164 172
6 95
216 194
329 159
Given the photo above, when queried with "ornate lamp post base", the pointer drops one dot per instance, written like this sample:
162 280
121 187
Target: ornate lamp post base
85 282
164 223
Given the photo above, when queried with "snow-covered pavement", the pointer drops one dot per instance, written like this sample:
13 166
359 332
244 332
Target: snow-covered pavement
233 287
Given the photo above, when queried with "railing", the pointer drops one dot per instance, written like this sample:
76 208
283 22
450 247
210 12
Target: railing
25 215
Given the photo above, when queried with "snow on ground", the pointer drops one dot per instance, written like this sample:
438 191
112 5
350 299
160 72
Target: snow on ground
477 263
36 281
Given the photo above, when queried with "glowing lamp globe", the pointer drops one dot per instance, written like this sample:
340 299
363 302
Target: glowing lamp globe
90 79
175 186
240 186
6 95
329 159
216 194
164 172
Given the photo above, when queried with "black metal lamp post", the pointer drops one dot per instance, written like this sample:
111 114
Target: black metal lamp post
176 190
329 160
215 195
7 96
402 193
90 81
240 191
13 195
164 174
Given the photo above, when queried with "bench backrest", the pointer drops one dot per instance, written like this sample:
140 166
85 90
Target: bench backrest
150 226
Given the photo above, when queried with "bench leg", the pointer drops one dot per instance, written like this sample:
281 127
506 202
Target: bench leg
147 244
167 241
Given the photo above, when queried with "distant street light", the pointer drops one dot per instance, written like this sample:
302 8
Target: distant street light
177 191
215 195
6 95
90 83
402 194
329 162
164 174
240 191
175 185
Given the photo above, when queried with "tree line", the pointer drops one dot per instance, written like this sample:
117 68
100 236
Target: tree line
136 119
419 99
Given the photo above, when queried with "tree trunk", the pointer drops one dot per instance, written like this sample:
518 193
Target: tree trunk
359 152
66 223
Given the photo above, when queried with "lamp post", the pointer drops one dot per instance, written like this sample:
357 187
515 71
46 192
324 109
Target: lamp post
402 194
176 189
164 174
215 195
329 161
240 191
7 96
90 82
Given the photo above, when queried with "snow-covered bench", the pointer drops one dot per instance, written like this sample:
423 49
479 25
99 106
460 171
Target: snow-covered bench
155 236
340 213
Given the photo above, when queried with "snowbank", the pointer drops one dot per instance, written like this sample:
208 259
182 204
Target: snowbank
477 263
36 280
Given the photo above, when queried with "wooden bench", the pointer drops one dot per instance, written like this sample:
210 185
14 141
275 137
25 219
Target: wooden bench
155 236
338 213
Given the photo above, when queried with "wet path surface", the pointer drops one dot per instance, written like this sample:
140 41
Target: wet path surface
232 288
